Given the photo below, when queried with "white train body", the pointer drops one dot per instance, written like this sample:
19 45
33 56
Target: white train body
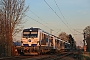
35 40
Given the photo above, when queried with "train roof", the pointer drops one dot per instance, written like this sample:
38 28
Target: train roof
31 29
36 29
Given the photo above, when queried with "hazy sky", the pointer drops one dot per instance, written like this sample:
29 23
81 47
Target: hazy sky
70 16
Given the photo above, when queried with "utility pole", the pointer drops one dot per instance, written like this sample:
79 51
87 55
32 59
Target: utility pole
84 39
84 47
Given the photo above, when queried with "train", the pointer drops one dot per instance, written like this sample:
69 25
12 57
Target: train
36 41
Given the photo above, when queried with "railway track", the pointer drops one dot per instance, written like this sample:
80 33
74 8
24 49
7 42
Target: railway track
56 56
25 57
59 56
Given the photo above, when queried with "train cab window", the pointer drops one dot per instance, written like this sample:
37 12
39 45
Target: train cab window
34 34
26 34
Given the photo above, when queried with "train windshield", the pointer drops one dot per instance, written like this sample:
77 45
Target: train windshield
26 34
30 34
34 34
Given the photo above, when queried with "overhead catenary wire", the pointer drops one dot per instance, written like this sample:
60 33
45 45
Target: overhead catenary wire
61 14
57 15
60 11
57 32
77 31
64 17
38 22
41 19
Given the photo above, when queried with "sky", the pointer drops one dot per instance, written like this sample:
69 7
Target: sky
70 16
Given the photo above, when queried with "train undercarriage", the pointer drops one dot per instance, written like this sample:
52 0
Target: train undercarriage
34 50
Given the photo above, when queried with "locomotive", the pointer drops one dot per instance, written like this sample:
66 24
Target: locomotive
36 41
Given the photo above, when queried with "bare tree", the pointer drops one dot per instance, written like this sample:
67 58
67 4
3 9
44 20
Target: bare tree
87 37
72 42
68 38
63 36
13 12
2 35
87 31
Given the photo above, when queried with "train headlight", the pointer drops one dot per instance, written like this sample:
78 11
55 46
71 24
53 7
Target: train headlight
29 40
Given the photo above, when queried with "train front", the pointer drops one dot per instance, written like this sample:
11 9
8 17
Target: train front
30 41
